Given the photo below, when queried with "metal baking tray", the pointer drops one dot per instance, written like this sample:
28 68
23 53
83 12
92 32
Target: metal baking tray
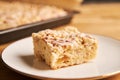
26 30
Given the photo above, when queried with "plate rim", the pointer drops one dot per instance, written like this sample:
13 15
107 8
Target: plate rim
44 77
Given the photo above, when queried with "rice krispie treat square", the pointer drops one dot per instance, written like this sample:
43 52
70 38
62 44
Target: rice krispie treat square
63 48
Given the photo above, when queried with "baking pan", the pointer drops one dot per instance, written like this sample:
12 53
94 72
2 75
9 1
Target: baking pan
26 30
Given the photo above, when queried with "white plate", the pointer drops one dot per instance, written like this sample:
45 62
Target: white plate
19 56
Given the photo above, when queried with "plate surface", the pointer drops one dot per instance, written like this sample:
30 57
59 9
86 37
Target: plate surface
20 57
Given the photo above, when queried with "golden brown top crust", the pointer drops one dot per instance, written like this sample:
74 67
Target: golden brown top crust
70 36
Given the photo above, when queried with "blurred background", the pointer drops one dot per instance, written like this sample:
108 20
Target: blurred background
101 1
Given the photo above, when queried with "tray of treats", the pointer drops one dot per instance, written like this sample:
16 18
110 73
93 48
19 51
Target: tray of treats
19 20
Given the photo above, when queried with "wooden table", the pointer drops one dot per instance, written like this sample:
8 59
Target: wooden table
101 19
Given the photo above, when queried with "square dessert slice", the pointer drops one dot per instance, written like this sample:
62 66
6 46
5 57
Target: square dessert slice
64 47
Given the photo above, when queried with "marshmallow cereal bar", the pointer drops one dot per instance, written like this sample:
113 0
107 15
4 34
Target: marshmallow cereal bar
64 48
